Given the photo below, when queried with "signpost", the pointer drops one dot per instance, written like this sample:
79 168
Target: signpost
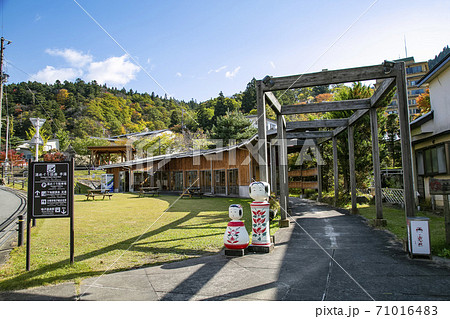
442 187
50 195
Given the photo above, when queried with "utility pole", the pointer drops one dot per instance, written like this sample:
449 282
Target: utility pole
2 79
1 88
6 163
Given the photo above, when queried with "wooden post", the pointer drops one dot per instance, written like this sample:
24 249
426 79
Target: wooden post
376 163
262 134
447 219
283 171
403 116
335 171
319 177
351 159
273 169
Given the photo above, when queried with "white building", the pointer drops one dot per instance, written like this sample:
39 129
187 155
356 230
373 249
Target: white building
430 133
270 124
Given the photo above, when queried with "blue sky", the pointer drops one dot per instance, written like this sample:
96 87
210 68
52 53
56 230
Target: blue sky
195 49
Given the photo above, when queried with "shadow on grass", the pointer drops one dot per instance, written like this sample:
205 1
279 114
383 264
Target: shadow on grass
28 279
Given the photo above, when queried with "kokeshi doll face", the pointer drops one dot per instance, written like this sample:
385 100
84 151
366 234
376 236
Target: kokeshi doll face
235 211
259 191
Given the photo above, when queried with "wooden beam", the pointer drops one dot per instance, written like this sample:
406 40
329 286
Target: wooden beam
319 178
316 124
303 172
382 91
376 163
351 159
262 134
283 170
326 107
335 171
403 117
309 135
351 120
275 104
327 78
273 169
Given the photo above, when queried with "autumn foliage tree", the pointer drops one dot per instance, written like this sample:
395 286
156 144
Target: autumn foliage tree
54 157
423 103
13 157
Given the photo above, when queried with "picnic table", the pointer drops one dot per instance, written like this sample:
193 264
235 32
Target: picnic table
98 192
154 190
192 191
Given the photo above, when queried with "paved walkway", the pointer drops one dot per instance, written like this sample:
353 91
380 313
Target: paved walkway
8 204
323 255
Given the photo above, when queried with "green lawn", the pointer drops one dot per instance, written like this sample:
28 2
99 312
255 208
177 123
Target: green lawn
396 223
122 233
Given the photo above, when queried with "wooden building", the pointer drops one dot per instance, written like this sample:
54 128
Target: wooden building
222 171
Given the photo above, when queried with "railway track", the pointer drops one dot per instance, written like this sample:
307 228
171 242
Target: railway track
8 227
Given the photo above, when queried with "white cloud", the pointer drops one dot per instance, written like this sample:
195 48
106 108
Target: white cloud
116 71
50 74
113 71
179 74
272 64
75 58
232 74
217 70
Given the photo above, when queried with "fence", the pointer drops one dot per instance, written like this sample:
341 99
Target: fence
393 195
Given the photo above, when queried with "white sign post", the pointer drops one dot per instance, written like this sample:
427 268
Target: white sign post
419 236
37 139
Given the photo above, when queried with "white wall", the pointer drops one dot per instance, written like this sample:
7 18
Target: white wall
440 101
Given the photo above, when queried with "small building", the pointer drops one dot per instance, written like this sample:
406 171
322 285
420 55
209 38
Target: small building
430 133
271 125
222 171
25 148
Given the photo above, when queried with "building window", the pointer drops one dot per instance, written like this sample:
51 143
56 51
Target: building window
192 180
219 182
205 181
414 69
431 161
177 181
417 92
233 182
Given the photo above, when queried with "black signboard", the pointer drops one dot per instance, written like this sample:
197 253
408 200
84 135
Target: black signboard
50 195
50 189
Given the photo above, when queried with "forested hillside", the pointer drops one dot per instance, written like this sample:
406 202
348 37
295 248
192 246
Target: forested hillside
81 110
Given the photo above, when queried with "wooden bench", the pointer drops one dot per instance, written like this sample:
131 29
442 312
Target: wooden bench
149 191
193 191
98 192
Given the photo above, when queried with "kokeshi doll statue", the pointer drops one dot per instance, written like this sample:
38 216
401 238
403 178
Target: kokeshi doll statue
236 236
260 192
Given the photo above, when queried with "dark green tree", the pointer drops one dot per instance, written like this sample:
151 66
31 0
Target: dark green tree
362 137
233 126
249 97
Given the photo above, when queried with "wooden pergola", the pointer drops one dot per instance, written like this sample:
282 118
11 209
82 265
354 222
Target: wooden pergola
101 155
393 75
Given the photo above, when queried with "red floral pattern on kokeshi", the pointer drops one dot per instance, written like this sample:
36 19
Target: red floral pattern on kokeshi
236 236
260 223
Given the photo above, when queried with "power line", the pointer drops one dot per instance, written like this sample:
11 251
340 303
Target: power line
128 54
50 119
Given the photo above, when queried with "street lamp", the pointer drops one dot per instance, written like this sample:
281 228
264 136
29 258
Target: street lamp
37 139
